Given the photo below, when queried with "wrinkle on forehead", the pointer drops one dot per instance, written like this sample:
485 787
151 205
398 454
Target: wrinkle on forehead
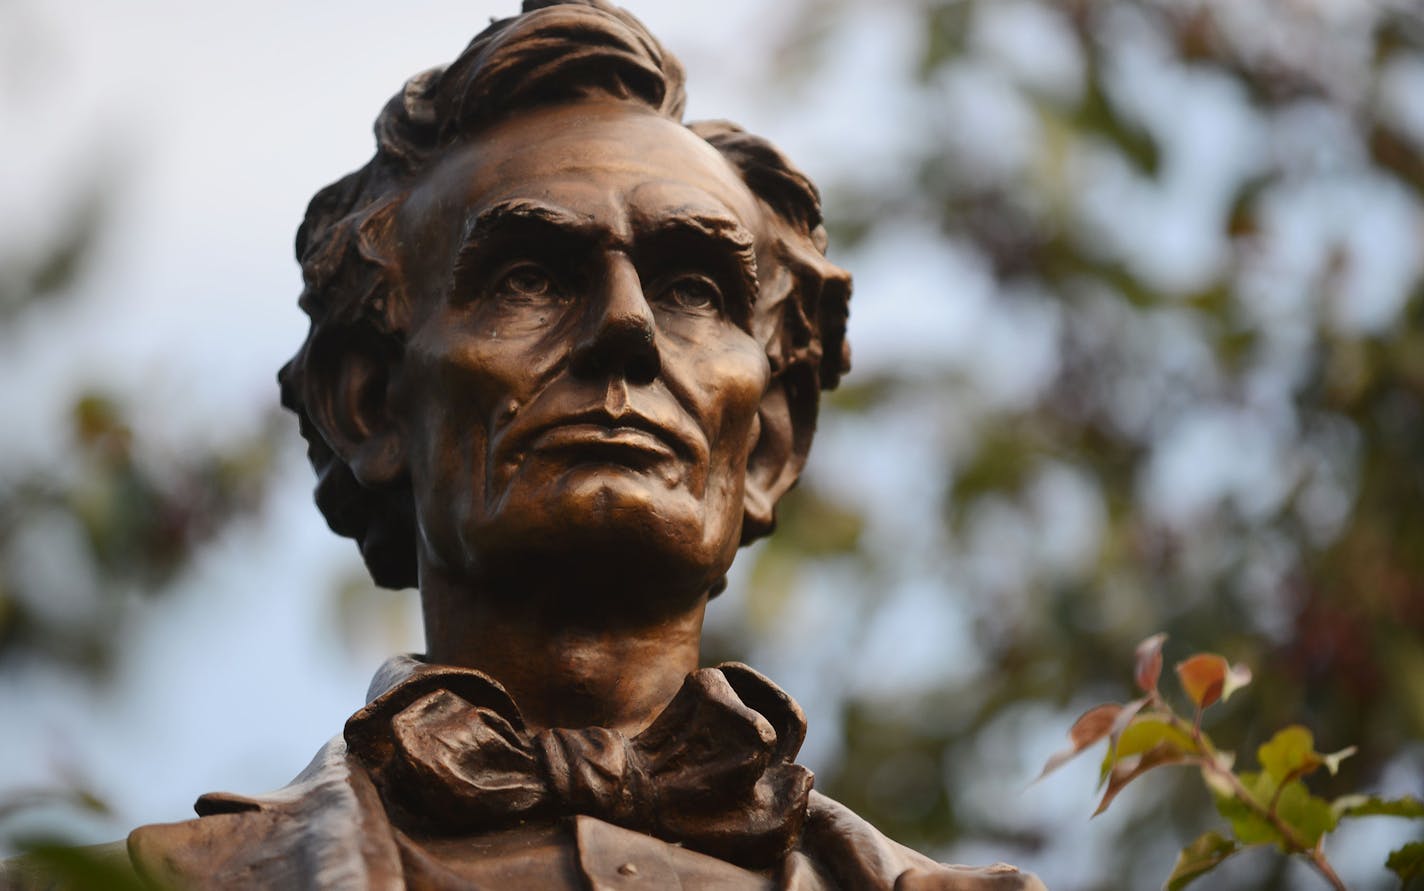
610 171
529 209
618 224
592 141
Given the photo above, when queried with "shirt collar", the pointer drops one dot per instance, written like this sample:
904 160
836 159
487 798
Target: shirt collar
415 675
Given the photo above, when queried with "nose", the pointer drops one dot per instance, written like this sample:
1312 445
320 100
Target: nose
619 339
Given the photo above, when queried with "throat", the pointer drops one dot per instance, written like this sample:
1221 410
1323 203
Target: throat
563 673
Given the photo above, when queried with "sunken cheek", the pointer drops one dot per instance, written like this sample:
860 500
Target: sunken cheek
490 381
722 388
471 383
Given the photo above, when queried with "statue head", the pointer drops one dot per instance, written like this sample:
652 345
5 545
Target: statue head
554 327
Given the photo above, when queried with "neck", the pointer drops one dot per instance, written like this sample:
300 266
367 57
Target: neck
564 667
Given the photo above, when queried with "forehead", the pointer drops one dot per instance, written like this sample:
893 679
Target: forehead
613 164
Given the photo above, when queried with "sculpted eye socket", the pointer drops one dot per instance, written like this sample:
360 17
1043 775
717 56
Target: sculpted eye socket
692 292
526 281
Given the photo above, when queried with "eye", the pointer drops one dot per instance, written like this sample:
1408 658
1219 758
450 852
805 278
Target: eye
526 281
692 292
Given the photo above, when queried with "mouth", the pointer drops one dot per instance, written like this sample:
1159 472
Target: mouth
599 436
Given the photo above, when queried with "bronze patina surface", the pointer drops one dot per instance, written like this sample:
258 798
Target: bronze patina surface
565 357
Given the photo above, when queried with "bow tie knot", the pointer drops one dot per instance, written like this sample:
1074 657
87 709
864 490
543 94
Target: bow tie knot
449 751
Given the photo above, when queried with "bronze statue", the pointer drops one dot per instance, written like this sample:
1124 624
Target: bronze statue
565 356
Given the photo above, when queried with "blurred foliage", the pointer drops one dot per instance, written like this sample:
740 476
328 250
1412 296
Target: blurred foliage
105 524
90 529
50 269
109 516
49 865
47 862
1311 564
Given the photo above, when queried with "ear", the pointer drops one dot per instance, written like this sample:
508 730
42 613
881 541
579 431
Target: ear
788 423
348 383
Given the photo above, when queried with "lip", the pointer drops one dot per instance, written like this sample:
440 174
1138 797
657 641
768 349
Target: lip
600 441
601 434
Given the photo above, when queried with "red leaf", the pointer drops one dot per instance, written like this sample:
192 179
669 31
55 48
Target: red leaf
1203 676
1091 726
1149 662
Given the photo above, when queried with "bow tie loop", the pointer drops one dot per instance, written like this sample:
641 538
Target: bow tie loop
466 761
707 746
711 771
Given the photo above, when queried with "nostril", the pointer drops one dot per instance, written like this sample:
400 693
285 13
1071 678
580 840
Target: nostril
644 368
624 347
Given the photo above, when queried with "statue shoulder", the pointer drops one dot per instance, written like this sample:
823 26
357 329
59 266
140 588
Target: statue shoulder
859 856
326 829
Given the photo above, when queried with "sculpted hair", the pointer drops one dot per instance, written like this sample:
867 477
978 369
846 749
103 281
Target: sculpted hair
555 51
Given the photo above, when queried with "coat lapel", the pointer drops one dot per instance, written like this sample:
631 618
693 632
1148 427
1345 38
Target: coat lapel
327 829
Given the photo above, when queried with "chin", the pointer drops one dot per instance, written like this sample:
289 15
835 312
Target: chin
610 533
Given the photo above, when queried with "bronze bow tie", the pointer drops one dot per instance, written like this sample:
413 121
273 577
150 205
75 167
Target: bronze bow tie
450 753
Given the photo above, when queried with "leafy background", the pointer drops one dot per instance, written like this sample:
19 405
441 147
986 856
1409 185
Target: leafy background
1139 346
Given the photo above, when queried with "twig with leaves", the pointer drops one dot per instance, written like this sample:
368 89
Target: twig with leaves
1268 806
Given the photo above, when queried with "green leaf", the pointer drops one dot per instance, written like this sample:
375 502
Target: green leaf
1290 753
1407 862
1408 807
1143 735
1309 815
1199 858
1249 827
1130 768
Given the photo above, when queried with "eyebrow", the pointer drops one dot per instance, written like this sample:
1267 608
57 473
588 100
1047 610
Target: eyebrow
724 232
712 226
518 213
526 210
720 230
